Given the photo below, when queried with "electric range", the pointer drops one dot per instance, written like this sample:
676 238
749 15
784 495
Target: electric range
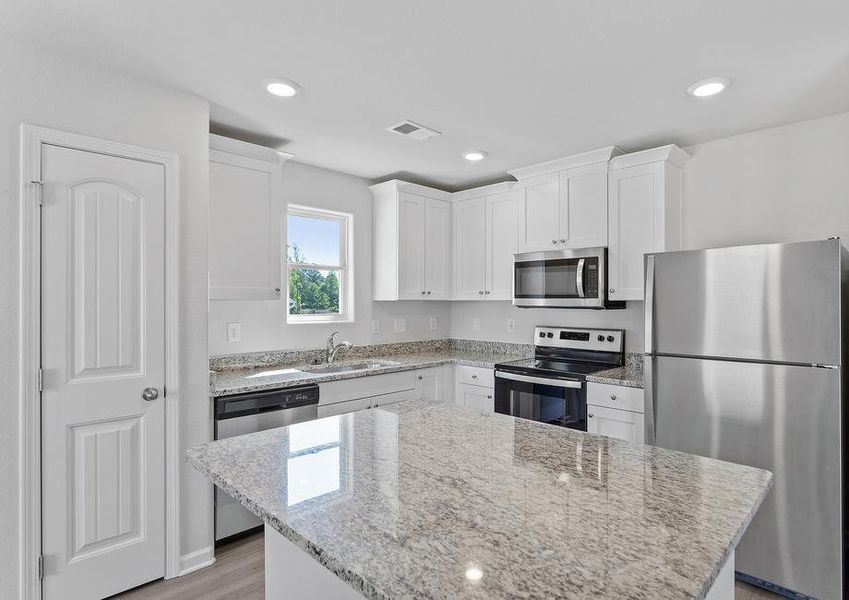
551 386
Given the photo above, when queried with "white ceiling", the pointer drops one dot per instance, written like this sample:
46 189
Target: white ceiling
526 81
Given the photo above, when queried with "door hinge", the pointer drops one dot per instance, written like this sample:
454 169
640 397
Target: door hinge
40 185
40 379
41 567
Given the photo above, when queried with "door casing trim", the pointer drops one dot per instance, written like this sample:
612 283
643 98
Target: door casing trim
32 138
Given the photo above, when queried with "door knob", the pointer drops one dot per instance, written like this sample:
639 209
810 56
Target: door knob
150 394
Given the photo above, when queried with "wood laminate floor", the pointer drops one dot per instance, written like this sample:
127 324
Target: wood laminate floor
238 575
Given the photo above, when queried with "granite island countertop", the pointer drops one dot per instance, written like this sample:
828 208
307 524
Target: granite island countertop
404 500
237 381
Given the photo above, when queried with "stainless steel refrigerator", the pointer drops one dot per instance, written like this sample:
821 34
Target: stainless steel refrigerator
744 349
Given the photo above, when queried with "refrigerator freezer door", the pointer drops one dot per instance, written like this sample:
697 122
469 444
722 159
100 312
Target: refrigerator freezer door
775 302
785 419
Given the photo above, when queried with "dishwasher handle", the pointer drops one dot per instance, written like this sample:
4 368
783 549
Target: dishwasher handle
230 407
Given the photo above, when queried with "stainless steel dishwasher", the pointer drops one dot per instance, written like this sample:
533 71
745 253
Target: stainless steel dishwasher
249 413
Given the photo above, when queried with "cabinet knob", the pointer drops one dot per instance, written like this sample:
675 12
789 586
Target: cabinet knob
420 377
489 396
554 242
591 415
376 406
428 293
422 293
474 376
480 292
277 291
613 396
611 290
487 292
562 240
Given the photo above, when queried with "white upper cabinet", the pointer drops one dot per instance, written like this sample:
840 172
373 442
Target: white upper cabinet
470 249
644 204
412 242
486 236
245 220
565 202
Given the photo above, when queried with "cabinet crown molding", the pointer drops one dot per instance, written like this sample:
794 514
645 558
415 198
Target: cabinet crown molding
484 190
669 153
397 185
568 162
246 149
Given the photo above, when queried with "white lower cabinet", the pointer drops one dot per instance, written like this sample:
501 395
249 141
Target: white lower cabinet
430 384
340 408
474 396
349 395
615 411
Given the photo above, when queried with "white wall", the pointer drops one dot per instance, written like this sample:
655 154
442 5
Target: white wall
264 321
788 183
44 89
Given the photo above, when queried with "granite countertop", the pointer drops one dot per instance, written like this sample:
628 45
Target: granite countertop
404 501
629 376
237 381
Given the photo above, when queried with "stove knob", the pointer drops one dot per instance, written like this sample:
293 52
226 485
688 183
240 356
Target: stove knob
610 338
549 334
601 338
541 334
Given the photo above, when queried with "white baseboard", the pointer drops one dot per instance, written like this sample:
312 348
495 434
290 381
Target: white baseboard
196 560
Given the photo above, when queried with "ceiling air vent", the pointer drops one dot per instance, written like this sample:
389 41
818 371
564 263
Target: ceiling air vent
412 130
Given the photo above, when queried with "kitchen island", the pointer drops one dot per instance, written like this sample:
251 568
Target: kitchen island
426 500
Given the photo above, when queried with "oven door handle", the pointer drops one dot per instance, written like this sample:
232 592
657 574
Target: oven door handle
564 383
579 278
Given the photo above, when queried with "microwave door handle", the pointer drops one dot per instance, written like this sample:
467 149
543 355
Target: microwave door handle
579 278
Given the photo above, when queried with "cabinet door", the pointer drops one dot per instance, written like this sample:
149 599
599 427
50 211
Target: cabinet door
437 250
635 198
340 408
470 249
541 216
502 242
619 424
429 385
245 225
473 396
411 246
583 197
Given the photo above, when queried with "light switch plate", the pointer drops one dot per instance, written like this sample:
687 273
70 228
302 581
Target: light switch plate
234 332
400 325
511 325
476 324
375 327
433 323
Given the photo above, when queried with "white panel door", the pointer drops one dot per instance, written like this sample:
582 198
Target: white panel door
429 385
470 249
411 246
541 214
502 230
438 250
632 204
103 343
584 194
619 424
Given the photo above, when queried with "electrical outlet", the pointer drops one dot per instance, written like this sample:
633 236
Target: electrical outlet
375 327
400 325
511 325
433 323
234 332
476 324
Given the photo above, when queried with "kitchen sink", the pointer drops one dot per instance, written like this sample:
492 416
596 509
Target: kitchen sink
345 367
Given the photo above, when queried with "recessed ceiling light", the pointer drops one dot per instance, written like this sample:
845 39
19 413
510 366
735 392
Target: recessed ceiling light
285 88
475 155
708 87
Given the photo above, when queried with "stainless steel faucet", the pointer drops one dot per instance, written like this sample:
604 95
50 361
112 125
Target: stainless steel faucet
332 348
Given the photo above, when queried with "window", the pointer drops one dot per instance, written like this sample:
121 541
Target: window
319 277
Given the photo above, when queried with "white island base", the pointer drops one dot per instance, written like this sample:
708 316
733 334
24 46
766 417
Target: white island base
291 574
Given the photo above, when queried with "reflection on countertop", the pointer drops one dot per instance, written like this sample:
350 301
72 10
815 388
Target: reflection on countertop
429 500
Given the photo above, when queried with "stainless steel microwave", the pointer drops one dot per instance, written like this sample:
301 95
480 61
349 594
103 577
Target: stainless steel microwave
562 279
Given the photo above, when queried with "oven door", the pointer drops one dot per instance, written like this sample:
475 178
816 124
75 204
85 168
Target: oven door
560 402
564 278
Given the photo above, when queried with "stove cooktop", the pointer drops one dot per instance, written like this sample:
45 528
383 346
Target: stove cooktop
548 366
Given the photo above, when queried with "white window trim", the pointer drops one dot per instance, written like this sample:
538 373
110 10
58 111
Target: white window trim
345 268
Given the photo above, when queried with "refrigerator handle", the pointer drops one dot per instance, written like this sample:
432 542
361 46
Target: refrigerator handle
649 304
650 429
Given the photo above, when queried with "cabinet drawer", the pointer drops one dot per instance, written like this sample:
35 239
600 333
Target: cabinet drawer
387 399
475 376
364 387
619 424
615 396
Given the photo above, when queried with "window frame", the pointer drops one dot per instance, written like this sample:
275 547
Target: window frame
344 269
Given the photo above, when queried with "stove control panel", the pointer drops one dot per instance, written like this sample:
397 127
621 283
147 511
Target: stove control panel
606 340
